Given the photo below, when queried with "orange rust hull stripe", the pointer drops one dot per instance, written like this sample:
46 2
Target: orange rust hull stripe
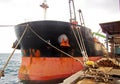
49 68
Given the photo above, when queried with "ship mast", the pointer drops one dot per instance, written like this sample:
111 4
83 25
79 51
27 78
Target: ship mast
44 6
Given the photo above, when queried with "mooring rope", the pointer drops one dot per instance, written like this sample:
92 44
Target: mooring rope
2 71
54 46
81 44
79 40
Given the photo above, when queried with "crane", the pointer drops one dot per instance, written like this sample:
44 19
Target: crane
78 35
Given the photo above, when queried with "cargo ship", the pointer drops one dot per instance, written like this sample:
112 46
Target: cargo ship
50 48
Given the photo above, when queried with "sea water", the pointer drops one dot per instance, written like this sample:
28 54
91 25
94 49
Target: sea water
11 71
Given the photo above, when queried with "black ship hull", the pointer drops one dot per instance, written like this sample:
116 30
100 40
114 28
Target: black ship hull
51 31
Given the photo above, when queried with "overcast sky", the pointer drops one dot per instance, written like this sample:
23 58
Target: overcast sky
13 12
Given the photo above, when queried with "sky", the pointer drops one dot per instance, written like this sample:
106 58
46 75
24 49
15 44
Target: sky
13 12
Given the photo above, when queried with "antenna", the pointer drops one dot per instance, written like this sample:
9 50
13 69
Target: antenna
44 6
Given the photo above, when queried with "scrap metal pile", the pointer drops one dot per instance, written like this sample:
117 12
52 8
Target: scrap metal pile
108 62
111 63
101 72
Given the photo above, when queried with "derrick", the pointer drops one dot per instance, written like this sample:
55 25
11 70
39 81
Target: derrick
75 28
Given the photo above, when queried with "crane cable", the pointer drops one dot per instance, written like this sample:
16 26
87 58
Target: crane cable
2 71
